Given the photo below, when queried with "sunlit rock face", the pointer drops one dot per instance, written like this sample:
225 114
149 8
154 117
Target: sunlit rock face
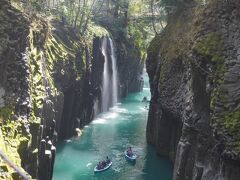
193 68
14 90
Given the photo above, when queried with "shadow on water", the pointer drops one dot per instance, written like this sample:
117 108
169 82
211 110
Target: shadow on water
156 167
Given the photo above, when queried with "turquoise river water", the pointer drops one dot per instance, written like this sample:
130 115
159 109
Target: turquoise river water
109 135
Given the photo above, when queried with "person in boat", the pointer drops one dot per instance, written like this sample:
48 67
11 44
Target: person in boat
107 160
146 107
144 99
129 152
104 163
99 166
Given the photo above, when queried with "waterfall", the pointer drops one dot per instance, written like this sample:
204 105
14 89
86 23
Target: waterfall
114 75
109 94
106 78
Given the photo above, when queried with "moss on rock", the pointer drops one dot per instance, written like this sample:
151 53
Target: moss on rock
43 49
210 45
6 112
230 123
97 31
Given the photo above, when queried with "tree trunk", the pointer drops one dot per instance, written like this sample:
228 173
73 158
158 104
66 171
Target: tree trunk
77 15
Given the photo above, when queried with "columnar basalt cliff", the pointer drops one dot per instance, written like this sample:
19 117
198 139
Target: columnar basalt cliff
193 67
50 83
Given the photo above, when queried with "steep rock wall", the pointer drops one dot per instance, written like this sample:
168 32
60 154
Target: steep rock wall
43 67
130 66
15 88
50 80
193 69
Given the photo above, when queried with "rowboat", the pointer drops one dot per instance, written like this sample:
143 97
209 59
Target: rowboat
131 158
96 170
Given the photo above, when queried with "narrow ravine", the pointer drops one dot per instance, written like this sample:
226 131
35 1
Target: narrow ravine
108 135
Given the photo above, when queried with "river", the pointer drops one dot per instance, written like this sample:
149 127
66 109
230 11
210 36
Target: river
109 135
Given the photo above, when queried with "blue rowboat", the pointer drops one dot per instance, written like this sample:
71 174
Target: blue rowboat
130 158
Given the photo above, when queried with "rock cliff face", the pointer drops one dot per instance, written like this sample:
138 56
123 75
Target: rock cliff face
130 68
193 67
50 79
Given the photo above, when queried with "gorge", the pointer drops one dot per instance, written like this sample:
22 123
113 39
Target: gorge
73 89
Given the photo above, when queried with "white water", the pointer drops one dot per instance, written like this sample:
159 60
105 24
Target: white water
114 75
109 95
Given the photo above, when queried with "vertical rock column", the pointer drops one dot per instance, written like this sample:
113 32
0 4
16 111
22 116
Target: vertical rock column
47 141
47 152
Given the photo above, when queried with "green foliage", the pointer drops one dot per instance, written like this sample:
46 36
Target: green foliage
95 30
230 122
136 7
6 112
11 129
173 3
35 62
140 27
74 13
38 5
169 2
141 36
14 134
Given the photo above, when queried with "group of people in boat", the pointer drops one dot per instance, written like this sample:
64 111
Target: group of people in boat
103 164
145 99
129 152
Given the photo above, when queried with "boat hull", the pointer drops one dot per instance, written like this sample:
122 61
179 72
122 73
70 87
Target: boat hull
132 158
104 169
